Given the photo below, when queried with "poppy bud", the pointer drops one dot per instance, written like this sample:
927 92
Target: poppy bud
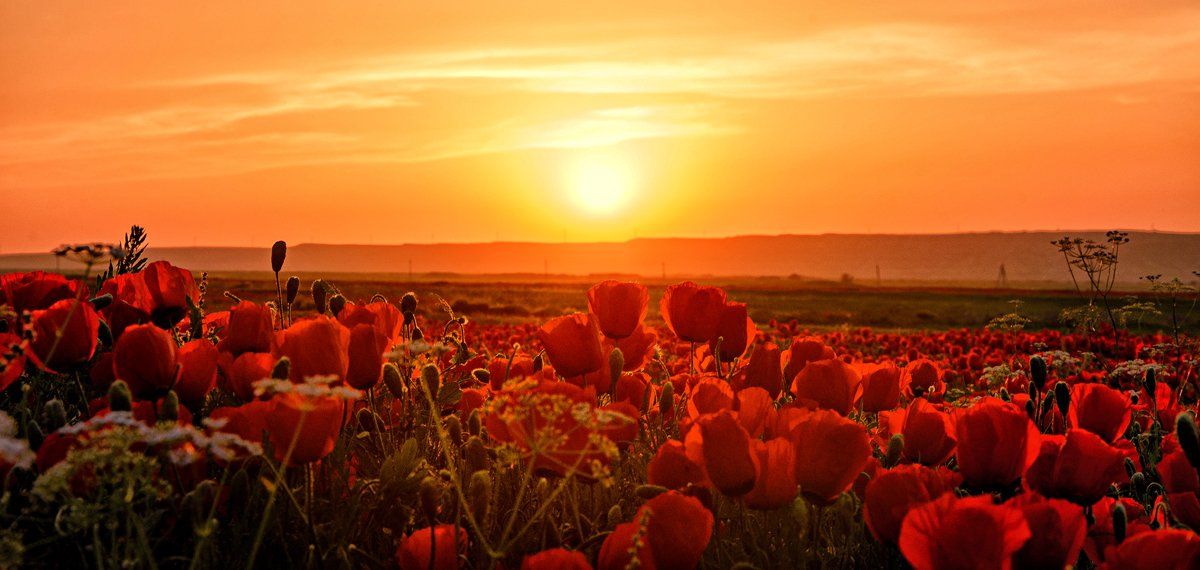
1150 381
432 378
431 498
480 494
481 375
614 515
1062 395
1034 391
232 297
543 487
647 492
282 368
537 363
318 295
1119 520
169 409
1130 468
1185 429
1037 371
1047 403
474 423
1004 395
120 399
476 455
1133 399
1138 482
99 302
417 335
33 432
56 414
393 381
408 303
895 449
1029 409
454 429
616 364
293 289
105 334
666 400
336 304
278 254
1135 429
368 420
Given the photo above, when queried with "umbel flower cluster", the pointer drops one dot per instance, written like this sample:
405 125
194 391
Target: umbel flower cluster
146 423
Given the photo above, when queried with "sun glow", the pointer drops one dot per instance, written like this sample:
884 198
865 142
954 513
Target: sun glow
600 183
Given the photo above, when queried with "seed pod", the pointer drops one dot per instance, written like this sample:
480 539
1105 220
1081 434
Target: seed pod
282 368
293 289
1062 396
169 411
120 399
476 456
56 414
432 378
1185 429
1119 521
474 423
393 380
431 498
408 303
319 295
479 494
1037 371
454 429
336 304
895 450
616 365
278 254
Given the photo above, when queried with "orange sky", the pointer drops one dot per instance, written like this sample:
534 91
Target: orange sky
238 123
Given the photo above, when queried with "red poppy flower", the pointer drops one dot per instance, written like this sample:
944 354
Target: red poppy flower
776 485
1101 410
437 548
755 410
307 427
892 493
556 559
159 294
145 357
709 395
1163 548
250 329
1101 534
619 307
247 421
238 375
923 378
632 387
1078 467
829 384
198 370
381 315
317 346
801 352
764 369
34 291
830 453
1183 486
1057 529
720 444
928 432
880 387
12 358
65 334
572 343
677 529
671 467
735 330
365 355
950 532
693 312
997 442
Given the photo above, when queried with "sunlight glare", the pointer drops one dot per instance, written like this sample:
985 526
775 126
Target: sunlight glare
600 184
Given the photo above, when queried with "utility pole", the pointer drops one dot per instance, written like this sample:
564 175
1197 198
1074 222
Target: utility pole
664 270
1002 280
878 276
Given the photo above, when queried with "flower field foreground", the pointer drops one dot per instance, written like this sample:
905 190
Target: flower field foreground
149 422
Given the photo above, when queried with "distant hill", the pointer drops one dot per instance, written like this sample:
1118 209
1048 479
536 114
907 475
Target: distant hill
968 258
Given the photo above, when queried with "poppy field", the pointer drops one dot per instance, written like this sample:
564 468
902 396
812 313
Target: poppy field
153 420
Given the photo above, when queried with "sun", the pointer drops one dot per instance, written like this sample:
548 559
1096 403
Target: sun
601 183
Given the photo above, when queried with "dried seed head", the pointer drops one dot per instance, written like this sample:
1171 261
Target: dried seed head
319 294
278 254
120 399
293 289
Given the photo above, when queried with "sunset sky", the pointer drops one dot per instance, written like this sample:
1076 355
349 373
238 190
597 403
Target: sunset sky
239 123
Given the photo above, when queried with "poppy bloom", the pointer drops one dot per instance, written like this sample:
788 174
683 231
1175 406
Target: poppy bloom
671 467
1078 467
776 482
735 330
880 387
159 294
365 355
892 493
754 410
1163 548
250 329
65 334
708 396
720 444
829 384
677 529
145 357
923 378
1183 486
800 353
764 370
197 370
1057 529
436 548
317 346
247 421
928 432
950 532
381 315
572 343
34 291
996 443
238 375
830 453
303 429
12 358
556 559
619 307
693 312
1101 410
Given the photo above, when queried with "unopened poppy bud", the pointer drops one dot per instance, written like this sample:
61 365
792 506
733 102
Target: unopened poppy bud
99 302
479 493
543 487
1004 395
232 297
282 368
475 454
1138 482
336 304
1062 396
393 380
895 449
1185 429
408 303
647 492
35 435
105 334
120 399
1130 468
474 423
293 289
1150 382
537 363
614 515
417 335
1034 391
1047 404
666 400
56 414
616 365
1037 371
169 411
454 429
431 498
1134 399
432 378
278 254
1030 410
1119 521
367 420
319 296
481 375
